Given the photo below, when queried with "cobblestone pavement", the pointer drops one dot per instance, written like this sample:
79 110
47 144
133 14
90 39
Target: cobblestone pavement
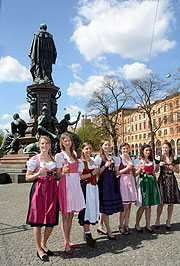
17 244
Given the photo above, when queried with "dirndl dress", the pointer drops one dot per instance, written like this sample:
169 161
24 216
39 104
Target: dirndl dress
126 182
70 195
168 186
109 193
89 215
43 210
147 188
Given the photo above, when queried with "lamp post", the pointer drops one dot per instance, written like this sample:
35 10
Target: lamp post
83 127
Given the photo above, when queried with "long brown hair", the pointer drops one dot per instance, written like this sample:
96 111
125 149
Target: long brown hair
171 156
101 149
82 153
72 148
150 158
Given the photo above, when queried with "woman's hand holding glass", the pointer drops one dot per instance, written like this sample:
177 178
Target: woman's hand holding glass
43 169
130 167
65 169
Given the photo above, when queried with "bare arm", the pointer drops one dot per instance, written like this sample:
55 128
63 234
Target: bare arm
59 173
85 176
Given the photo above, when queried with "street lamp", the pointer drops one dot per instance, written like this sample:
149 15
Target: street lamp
83 127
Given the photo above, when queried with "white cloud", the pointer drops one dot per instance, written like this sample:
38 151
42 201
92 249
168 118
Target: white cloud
85 90
22 110
73 110
12 71
75 67
123 27
134 71
4 127
6 116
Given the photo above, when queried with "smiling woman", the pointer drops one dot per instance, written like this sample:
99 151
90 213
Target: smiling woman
43 197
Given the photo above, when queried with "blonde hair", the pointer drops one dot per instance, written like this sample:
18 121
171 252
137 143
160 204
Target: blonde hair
49 141
72 148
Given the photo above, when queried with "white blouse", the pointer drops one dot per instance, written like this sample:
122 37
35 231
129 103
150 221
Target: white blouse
60 160
32 164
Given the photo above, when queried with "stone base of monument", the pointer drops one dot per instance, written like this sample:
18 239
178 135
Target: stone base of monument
14 165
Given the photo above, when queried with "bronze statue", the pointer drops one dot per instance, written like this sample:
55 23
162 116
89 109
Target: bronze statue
54 103
46 124
32 148
63 126
10 141
43 55
32 99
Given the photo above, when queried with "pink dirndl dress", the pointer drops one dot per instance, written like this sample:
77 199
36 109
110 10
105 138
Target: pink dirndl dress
43 209
126 183
70 195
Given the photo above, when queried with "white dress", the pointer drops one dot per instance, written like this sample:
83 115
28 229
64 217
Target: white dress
91 192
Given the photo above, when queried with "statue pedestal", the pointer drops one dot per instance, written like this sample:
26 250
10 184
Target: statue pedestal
45 95
15 164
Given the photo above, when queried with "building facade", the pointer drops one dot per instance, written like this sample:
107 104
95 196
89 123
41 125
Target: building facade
134 125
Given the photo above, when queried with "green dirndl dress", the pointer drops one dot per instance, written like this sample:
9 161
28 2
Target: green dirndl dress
147 188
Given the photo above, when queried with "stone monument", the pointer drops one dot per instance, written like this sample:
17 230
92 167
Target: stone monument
22 142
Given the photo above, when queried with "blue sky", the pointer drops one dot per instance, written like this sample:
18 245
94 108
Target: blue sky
93 38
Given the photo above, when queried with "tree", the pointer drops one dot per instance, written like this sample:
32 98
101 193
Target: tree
106 103
144 93
91 134
1 152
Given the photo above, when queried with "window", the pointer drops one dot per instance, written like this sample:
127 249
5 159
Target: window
178 129
178 116
177 103
139 126
165 131
132 137
125 129
154 122
132 127
136 118
171 117
129 138
165 119
170 106
159 110
131 118
128 119
159 119
139 117
159 133
144 115
124 121
165 108
144 135
140 136
136 127
149 134
154 112
136 136
144 124
171 130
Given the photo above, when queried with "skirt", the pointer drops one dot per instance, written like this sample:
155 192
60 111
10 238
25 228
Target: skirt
147 189
127 188
90 215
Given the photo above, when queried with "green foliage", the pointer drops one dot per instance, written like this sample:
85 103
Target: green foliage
1 152
92 135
